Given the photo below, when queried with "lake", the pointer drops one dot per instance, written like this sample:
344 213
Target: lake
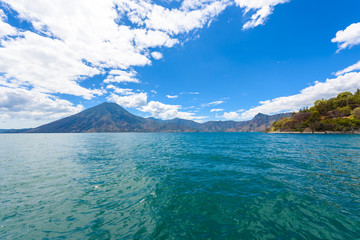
179 186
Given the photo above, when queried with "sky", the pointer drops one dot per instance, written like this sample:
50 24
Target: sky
193 59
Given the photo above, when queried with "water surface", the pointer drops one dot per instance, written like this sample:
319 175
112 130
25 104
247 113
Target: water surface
179 186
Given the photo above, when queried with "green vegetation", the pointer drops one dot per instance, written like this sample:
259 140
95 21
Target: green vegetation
341 113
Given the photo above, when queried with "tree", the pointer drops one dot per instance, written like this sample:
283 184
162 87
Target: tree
314 121
322 106
343 99
345 111
356 113
283 124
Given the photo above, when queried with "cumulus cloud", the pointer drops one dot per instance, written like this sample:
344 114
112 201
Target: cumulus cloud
144 39
348 37
172 96
132 101
161 110
122 91
216 110
167 111
172 21
120 76
157 55
47 65
231 115
306 97
18 105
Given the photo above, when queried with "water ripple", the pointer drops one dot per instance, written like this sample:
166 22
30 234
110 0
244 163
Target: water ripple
179 186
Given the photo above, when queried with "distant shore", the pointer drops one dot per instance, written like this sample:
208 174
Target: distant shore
327 132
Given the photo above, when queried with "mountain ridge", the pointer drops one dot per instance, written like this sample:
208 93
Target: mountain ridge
110 117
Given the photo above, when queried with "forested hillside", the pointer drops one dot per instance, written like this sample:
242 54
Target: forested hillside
341 113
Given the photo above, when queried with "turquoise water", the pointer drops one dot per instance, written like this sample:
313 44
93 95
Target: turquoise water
179 186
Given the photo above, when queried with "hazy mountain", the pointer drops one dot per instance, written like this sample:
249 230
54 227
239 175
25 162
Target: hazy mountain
184 122
223 126
110 117
261 122
14 130
258 124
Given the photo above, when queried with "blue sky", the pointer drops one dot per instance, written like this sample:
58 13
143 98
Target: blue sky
200 60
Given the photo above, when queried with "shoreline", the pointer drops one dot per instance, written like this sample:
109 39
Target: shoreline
327 132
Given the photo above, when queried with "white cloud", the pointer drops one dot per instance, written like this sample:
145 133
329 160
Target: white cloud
122 91
152 38
131 101
171 21
167 111
86 26
46 64
216 110
263 9
348 37
157 55
172 96
306 97
231 115
120 76
354 67
5 28
212 103
161 110
17 106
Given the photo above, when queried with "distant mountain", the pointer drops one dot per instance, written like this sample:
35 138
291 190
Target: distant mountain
223 126
107 117
261 122
185 123
258 124
110 117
